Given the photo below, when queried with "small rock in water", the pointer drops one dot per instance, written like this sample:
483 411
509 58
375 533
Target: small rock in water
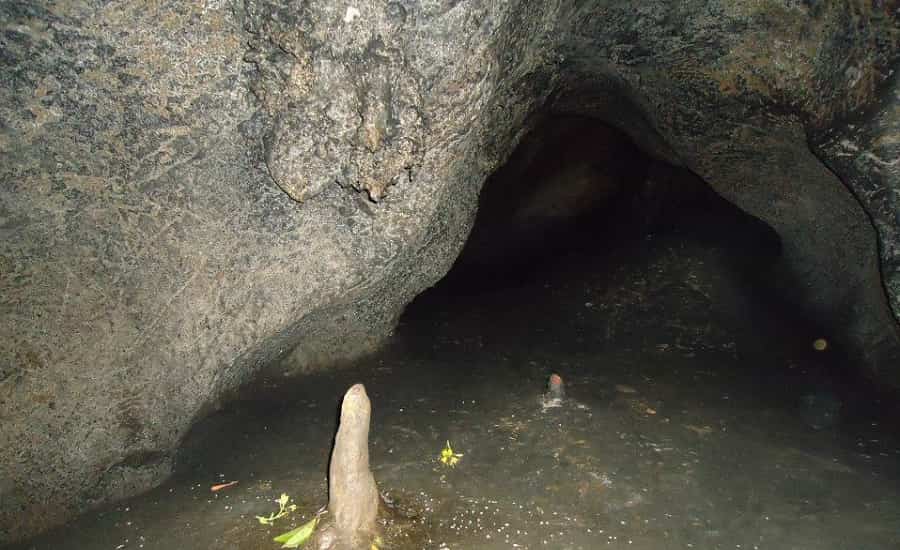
555 392
555 387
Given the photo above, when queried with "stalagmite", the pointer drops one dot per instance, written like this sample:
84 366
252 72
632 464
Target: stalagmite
352 495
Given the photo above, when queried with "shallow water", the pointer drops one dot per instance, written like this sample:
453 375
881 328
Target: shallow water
697 416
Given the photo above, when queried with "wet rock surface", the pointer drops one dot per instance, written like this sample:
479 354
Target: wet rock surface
155 254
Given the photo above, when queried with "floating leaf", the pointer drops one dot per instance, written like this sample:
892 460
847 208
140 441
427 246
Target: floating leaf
221 486
298 536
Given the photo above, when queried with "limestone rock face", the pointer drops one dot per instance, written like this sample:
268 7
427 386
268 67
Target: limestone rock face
190 190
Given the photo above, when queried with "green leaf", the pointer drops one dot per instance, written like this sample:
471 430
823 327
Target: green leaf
298 536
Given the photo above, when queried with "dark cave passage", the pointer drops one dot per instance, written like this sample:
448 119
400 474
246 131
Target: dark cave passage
578 201
576 187
655 247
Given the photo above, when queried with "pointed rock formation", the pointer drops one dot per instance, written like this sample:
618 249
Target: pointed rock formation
352 495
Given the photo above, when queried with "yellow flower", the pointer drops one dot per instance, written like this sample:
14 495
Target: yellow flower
448 457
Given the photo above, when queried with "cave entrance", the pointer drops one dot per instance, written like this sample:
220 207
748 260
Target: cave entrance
585 244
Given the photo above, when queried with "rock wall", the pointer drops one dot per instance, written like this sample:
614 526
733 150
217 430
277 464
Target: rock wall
863 150
192 189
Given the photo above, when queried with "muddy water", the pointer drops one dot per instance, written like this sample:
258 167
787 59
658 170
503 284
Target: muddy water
698 415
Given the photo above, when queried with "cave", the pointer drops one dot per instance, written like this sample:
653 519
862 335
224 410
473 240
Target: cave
604 274
705 404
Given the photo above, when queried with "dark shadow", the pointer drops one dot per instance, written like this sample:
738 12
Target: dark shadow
577 200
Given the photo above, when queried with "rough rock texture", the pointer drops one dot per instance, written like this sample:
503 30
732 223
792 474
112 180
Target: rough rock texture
153 255
149 263
864 150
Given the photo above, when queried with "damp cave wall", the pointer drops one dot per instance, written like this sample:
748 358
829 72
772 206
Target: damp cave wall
192 190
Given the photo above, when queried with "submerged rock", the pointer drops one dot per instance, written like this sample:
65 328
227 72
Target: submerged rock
555 393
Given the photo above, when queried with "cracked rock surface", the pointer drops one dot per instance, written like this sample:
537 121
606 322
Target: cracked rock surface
191 190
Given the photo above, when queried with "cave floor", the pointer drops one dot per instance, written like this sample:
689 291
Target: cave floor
697 416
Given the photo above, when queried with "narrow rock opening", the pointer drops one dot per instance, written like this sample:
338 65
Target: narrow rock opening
579 197
577 187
